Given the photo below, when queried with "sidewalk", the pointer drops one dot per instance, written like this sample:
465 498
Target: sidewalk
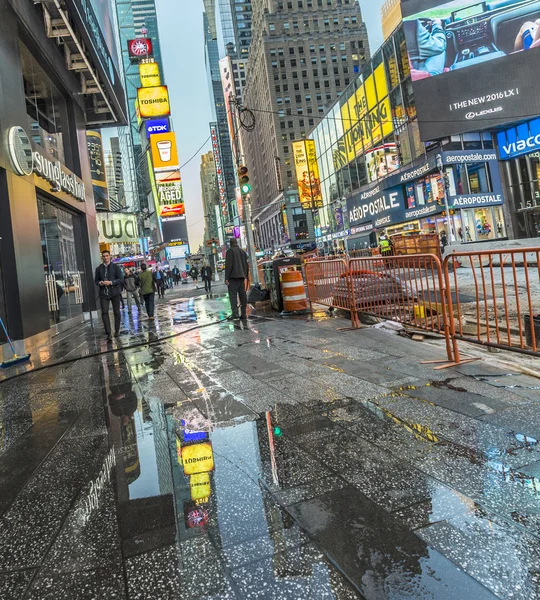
344 468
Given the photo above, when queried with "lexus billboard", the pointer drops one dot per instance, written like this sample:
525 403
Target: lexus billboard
474 65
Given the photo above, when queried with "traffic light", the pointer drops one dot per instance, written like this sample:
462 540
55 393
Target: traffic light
243 178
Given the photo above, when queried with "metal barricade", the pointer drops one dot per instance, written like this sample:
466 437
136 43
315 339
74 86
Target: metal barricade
407 289
493 298
328 283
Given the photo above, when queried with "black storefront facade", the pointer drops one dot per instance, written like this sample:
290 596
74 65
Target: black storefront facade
58 79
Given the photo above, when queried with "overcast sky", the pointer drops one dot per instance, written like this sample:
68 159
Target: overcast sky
182 49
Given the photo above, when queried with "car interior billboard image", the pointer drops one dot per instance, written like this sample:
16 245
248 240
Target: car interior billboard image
474 65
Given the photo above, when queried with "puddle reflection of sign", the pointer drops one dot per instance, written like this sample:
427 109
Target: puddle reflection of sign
190 435
195 516
197 458
199 486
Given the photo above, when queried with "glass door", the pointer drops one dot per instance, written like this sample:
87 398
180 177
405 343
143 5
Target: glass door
62 260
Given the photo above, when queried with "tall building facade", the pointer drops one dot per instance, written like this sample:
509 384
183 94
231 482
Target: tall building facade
220 118
136 18
303 54
210 196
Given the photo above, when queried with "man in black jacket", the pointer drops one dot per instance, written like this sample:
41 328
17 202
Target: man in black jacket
206 276
236 274
109 278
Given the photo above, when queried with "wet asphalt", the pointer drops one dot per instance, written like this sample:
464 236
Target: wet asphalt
278 458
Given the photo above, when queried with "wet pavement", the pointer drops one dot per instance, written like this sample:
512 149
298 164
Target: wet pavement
275 459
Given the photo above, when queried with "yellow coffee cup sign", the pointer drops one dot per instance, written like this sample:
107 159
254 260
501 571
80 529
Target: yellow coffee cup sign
153 101
149 74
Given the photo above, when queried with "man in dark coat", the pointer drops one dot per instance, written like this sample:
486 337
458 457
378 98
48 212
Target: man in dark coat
109 278
206 276
236 274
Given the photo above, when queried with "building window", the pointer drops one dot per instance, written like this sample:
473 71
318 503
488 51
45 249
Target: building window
271 26
291 50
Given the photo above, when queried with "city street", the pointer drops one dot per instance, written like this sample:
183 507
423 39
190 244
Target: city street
200 458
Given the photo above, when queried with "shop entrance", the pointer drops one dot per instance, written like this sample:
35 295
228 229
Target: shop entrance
62 260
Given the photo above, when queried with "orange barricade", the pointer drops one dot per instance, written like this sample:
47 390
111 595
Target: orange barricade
328 283
407 289
493 298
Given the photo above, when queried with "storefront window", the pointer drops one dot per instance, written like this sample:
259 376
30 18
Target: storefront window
45 108
403 57
392 74
461 180
472 141
62 260
488 141
478 178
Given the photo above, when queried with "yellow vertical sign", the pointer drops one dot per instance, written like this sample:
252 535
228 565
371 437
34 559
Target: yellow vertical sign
307 174
149 74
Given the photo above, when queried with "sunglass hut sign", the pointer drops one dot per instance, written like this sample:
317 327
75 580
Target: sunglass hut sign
58 176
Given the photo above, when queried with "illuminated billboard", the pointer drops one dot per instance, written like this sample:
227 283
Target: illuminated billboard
164 151
97 169
174 230
153 101
472 64
149 74
139 48
197 458
307 174
367 116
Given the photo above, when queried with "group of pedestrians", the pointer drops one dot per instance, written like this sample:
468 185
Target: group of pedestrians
141 288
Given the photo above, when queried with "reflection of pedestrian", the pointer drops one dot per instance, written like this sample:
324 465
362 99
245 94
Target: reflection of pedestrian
460 234
468 232
426 43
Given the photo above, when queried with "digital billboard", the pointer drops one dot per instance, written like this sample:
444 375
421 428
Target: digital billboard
307 174
174 230
97 169
153 102
139 48
473 64
149 74
164 151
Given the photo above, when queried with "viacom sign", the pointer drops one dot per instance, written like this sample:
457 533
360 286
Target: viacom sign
156 126
519 140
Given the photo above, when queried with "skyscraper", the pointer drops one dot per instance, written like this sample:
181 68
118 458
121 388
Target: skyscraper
136 18
210 195
303 54
219 110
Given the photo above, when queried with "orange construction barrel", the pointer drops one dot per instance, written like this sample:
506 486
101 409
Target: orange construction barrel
293 292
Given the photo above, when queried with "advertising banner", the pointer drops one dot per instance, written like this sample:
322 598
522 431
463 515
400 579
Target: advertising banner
381 161
381 207
367 117
149 74
307 174
156 126
164 151
139 48
114 227
171 199
97 169
519 140
472 63
174 230
153 102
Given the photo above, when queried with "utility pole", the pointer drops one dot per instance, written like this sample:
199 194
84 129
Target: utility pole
246 204
450 218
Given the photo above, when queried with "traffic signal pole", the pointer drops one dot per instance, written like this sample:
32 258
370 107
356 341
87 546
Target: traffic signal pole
251 242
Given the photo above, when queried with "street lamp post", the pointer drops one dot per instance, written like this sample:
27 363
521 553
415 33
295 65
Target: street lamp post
446 206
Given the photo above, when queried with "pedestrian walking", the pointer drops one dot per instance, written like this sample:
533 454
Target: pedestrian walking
109 278
206 276
149 286
194 274
176 275
132 284
160 281
236 274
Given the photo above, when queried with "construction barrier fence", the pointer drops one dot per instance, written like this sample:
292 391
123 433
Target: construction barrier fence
487 297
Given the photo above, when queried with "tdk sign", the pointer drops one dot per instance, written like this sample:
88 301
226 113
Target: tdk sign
156 126
522 139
